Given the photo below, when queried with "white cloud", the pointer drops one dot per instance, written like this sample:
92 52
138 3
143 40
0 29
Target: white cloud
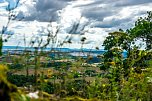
113 18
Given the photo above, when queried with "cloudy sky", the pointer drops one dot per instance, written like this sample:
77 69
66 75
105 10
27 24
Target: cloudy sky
96 17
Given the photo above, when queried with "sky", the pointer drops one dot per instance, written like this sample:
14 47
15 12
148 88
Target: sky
96 17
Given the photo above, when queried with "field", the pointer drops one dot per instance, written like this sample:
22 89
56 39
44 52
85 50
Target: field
77 80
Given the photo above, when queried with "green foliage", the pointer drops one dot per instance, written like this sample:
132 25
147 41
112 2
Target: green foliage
8 91
90 73
1 45
20 80
47 87
15 66
127 78
143 30
116 39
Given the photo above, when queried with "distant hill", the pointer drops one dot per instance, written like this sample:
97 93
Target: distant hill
47 49
73 51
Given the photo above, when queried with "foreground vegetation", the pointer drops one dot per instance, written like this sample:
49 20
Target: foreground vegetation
114 78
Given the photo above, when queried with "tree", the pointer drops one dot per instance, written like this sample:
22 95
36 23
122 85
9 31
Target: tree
143 30
115 43
117 39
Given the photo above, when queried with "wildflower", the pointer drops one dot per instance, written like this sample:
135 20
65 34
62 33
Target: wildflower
49 70
103 85
49 73
132 69
49 76
112 63
45 80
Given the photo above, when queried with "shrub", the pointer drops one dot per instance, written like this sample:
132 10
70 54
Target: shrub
20 80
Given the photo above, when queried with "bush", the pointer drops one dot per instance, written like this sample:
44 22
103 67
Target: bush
48 87
20 80
15 66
